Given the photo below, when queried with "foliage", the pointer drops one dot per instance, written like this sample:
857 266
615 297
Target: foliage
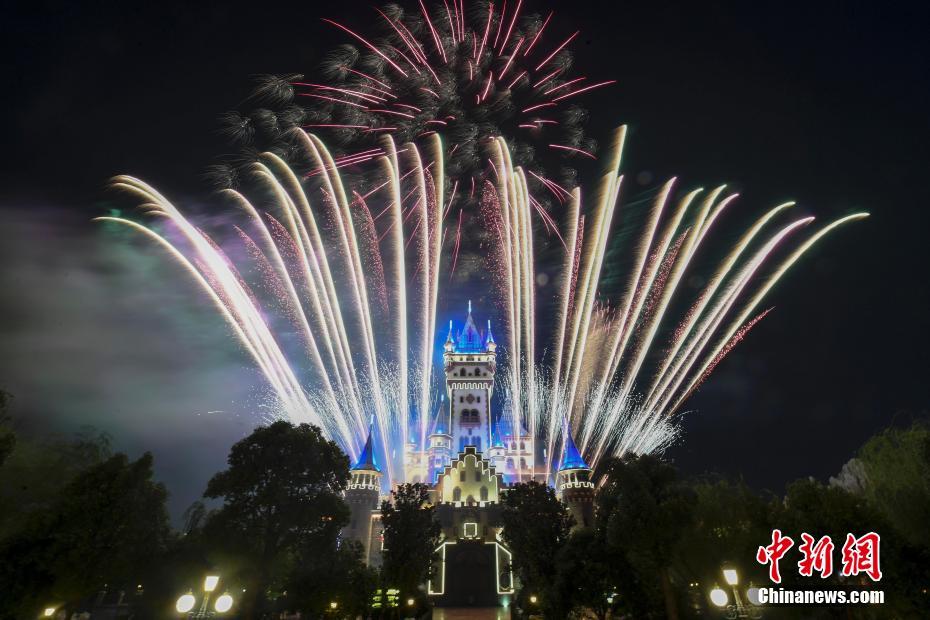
644 511
897 470
590 577
411 534
104 530
730 521
343 579
819 510
536 526
281 493
7 436
36 472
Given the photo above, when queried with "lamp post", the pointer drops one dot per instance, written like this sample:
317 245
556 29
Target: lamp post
738 608
186 602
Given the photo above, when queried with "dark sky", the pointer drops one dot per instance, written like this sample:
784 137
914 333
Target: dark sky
825 104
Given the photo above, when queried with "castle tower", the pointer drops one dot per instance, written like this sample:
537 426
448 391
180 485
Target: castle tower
439 451
363 495
469 361
497 453
573 484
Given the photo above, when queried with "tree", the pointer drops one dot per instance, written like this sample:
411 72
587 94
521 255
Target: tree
36 472
644 511
819 510
896 464
730 521
7 436
312 585
588 576
411 535
536 526
282 492
107 529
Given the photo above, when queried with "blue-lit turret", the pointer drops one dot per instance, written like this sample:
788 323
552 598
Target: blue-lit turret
469 364
363 495
573 483
489 343
470 340
366 460
571 458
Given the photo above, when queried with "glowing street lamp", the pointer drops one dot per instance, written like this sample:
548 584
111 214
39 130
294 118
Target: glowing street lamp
533 599
718 597
738 608
223 604
731 577
185 603
49 612
209 583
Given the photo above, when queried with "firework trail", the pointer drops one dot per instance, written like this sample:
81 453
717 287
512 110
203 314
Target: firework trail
311 257
360 291
597 377
470 72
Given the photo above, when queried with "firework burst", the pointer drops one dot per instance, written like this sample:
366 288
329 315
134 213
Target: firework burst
597 379
336 301
470 72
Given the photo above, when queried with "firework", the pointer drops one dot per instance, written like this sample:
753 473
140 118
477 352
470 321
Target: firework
311 241
359 289
469 72
596 380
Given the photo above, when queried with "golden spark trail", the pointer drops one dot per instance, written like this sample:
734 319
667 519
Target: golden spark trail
376 363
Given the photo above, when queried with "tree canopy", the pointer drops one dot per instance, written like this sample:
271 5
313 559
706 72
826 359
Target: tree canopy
37 470
896 463
411 534
7 436
103 530
282 492
536 526
644 511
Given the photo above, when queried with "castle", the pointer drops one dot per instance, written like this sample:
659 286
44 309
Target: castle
470 461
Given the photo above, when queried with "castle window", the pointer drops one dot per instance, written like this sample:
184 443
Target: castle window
470 417
484 494
456 494
470 529
477 475
479 399
462 476
461 372
471 500
461 399
510 463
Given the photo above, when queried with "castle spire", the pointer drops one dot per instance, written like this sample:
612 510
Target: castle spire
469 340
571 458
366 460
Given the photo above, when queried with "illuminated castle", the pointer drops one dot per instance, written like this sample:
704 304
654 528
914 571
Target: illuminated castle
470 459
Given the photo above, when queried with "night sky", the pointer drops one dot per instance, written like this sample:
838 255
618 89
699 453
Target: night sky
826 105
